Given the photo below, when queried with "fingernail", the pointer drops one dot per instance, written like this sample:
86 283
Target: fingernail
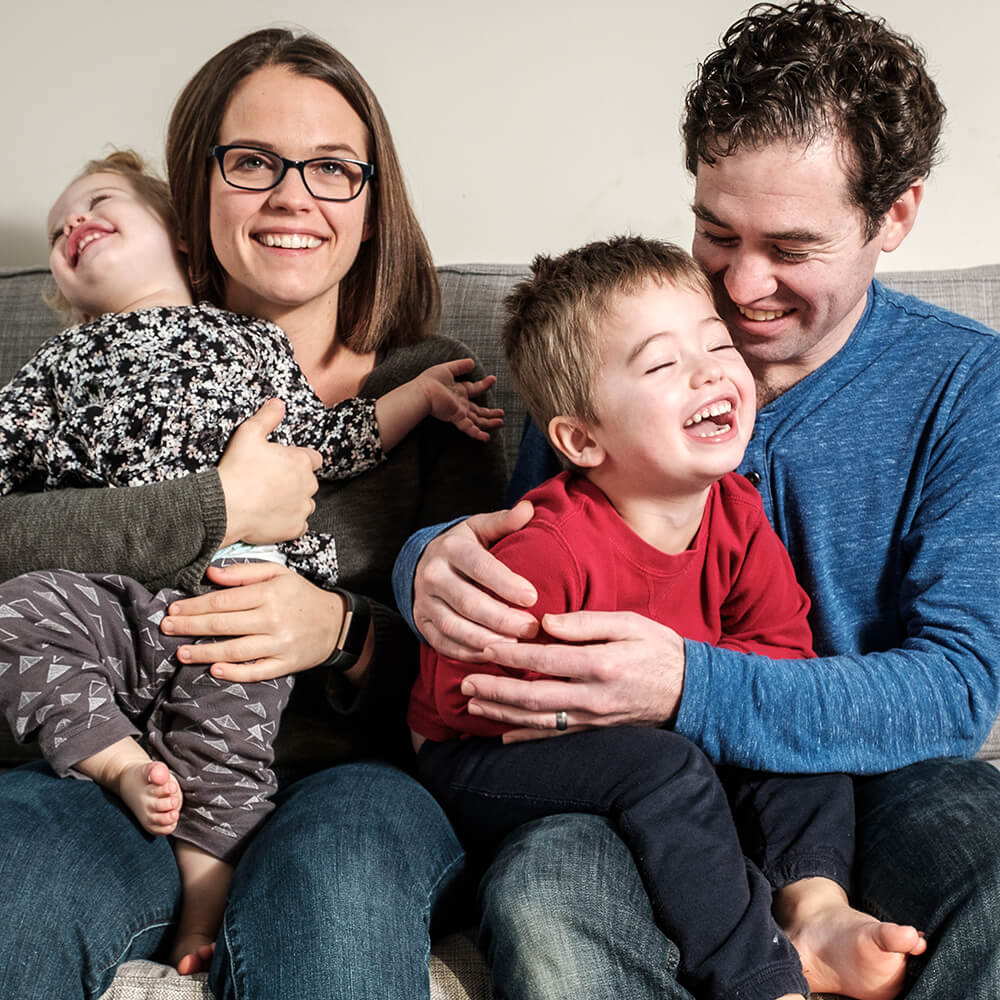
474 709
468 688
166 625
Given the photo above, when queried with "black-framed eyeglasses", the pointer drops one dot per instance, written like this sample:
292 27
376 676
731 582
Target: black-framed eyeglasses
329 178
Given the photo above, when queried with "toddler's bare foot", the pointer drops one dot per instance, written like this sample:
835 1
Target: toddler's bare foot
843 950
152 793
193 953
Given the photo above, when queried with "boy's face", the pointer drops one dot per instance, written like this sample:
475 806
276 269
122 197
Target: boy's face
675 400
107 246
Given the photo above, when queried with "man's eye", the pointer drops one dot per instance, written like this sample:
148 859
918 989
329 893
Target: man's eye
793 256
719 241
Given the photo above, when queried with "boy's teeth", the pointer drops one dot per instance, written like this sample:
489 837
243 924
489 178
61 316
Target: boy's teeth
714 410
290 241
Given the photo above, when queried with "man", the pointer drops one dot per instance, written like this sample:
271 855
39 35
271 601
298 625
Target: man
809 134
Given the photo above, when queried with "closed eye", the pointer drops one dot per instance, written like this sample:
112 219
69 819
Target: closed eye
658 366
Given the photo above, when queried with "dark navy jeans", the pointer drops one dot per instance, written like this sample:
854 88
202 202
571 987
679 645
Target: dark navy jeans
667 803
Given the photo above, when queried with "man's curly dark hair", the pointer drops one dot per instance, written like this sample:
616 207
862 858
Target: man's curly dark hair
816 69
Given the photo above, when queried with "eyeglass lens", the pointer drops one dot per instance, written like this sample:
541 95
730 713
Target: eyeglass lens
259 170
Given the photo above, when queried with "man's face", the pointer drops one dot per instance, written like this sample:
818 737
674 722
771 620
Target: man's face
787 255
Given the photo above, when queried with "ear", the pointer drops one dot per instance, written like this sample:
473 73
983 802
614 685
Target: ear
900 218
572 438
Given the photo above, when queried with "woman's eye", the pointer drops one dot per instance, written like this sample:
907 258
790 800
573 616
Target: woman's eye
330 168
250 163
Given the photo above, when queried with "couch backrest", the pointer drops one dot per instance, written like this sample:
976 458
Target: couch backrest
472 300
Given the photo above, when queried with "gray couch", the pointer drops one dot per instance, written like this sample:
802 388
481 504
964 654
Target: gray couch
473 298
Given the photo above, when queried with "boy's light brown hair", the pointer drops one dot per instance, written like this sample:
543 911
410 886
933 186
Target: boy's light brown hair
552 334
152 189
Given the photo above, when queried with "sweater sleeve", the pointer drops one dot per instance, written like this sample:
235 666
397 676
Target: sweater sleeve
932 692
163 534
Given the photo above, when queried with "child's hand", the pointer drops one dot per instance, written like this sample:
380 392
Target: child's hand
451 400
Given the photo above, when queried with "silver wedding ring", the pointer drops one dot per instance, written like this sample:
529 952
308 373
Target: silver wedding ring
562 721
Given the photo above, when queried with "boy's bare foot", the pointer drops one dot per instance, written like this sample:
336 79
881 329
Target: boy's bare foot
193 953
843 950
152 793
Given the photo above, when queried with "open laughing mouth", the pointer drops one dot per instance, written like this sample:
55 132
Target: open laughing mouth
84 237
712 420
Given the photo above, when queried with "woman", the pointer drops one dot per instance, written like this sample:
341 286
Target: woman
334 895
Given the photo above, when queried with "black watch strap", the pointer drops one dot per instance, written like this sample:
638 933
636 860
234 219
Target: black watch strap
353 632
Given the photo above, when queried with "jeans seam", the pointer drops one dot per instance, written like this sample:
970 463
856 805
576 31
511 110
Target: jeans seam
117 961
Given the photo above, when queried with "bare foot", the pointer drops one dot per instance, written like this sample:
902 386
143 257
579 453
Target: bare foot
843 950
152 793
193 954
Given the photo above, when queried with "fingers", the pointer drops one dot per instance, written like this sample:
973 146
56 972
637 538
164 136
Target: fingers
490 528
595 626
465 640
266 419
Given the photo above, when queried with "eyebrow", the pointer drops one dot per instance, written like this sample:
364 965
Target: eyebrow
782 236
336 149
646 341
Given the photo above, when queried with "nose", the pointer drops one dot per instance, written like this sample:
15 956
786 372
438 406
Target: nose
749 278
72 221
291 190
705 371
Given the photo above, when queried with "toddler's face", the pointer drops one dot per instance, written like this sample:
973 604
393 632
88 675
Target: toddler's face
675 400
105 244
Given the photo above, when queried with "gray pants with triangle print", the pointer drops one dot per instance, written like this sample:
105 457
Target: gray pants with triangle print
84 664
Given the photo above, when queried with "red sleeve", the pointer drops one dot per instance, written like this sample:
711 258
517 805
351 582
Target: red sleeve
437 706
766 610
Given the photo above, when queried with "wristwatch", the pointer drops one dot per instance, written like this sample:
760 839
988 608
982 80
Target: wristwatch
353 632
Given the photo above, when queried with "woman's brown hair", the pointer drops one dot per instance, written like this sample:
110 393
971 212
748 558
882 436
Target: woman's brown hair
390 296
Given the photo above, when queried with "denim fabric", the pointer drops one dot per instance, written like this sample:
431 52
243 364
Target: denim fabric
667 804
333 898
927 855
83 887
564 914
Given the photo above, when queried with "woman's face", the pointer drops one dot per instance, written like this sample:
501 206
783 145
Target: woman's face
285 252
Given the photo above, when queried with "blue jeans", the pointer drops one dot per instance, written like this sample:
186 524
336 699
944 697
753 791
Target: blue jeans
564 912
333 898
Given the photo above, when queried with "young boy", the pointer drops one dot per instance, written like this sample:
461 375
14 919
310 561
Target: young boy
153 389
617 350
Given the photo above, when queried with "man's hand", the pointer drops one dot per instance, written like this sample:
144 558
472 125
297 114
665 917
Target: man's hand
611 668
454 606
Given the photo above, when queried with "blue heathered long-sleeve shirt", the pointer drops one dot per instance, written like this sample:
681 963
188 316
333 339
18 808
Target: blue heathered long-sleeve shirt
880 472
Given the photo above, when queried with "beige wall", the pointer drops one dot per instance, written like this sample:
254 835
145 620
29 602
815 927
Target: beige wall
524 125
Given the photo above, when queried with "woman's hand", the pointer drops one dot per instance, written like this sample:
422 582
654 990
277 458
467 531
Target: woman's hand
268 487
273 622
609 668
456 578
